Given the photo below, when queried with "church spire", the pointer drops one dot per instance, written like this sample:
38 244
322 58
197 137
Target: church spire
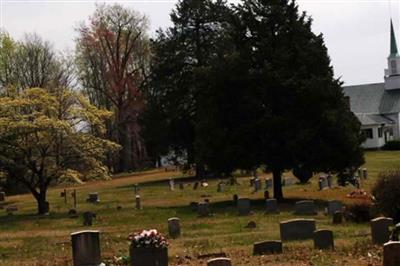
393 43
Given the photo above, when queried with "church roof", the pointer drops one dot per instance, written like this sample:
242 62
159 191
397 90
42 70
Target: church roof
373 99
393 44
373 119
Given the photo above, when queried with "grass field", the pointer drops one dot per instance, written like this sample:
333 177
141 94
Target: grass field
26 239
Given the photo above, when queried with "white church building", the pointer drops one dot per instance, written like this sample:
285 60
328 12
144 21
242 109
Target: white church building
377 106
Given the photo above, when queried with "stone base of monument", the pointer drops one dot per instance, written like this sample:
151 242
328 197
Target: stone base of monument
148 256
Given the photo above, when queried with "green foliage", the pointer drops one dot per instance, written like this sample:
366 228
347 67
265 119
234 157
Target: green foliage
392 145
387 194
46 138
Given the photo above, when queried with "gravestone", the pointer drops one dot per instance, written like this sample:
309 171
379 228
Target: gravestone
88 218
337 217
272 206
138 204
2 196
305 207
171 184
86 248
267 247
252 181
220 187
266 194
243 205
334 206
360 173
251 225
219 262
235 198
181 187
174 227
196 185
297 229
72 213
323 239
203 209
257 184
329 178
364 173
380 230
391 253
322 182
93 198
193 205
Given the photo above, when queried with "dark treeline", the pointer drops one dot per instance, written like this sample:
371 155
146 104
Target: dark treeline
225 87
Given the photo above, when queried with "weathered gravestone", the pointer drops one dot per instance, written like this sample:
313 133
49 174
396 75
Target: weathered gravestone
171 184
243 205
203 209
2 196
174 227
138 202
88 218
334 206
380 229
391 253
329 178
220 187
337 217
297 229
251 225
257 184
219 262
267 247
272 206
323 239
305 207
86 248
93 198
322 182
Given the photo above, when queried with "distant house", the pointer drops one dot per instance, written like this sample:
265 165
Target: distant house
377 106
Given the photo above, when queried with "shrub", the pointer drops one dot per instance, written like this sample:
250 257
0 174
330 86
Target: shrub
359 212
393 145
387 194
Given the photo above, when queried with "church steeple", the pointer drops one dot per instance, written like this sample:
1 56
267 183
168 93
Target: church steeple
393 43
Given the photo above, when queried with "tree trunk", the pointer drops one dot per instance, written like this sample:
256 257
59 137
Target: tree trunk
277 176
43 205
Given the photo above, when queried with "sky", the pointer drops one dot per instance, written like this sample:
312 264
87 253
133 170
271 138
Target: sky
356 32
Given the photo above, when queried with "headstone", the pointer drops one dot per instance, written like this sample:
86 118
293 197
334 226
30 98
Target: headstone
251 225
257 184
72 213
220 187
181 187
266 194
171 184
322 182
380 230
364 173
174 227
323 239
93 197
252 181
11 209
193 205
272 206
391 253
219 262
334 206
203 209
243 205
329 178
337 217
2 196
138 203
88 218
86 248
267 247
196 185
297 229
235 198
305 207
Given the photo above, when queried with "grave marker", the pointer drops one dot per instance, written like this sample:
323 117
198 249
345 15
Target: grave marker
219 262
243 205
138 203
86 248
305 207
380 230
391 253
297 229
272 206
203 209
267 247
174 227
323 239
334 206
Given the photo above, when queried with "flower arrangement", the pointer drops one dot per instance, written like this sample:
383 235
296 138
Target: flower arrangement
148 239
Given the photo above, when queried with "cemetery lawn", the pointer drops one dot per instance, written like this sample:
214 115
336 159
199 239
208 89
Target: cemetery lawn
26 239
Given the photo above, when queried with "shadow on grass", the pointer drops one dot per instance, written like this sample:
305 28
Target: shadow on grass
10 221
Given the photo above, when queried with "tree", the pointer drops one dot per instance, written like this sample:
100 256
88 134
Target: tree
45 137
173 93
290 110
112 58
7 56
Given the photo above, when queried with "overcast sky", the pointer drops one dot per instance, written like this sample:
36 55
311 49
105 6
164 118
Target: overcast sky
356 32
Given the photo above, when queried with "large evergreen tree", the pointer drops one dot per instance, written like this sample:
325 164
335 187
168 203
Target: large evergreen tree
274 100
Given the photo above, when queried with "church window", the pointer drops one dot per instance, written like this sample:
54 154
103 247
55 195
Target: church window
368 133
380 132
393 66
